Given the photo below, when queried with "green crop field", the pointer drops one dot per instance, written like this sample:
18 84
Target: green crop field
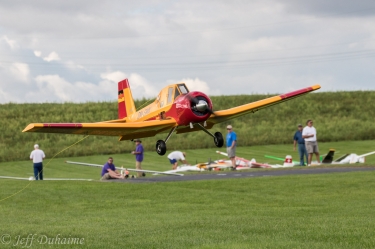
299 211
338 116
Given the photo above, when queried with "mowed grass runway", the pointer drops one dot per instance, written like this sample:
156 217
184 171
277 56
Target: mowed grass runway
299 211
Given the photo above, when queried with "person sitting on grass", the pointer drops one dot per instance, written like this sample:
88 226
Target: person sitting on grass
109 171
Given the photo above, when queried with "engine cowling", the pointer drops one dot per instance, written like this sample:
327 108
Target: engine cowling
193 107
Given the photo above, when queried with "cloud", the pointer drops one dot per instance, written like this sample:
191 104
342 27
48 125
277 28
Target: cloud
193 84
20 71
56 88
37 53
140 87
73 66
12 43
53 56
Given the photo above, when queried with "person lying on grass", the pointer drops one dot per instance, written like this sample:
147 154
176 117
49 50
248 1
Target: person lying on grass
109 171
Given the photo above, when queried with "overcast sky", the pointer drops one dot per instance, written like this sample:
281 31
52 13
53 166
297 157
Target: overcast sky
77 51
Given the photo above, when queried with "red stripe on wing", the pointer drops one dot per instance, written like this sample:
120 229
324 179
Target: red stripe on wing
295 93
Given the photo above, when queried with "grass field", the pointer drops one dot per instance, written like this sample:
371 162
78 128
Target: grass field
300 211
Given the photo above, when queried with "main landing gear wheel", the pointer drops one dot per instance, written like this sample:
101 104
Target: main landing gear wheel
161 147
219 141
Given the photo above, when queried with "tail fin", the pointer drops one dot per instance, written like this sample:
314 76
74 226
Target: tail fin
126 105
329 157
288 161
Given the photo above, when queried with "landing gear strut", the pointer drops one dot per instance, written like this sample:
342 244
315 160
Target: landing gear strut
161 146
218 137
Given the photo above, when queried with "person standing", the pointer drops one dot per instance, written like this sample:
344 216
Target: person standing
109 171
298 139
37 156
176 156
231 145
311 141
138 156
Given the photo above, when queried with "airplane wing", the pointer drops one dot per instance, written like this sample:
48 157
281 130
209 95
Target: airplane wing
124 130
224 115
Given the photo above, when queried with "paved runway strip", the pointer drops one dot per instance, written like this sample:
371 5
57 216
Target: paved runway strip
243 174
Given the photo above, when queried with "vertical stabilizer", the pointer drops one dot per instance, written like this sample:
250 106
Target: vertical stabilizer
329 157
126 105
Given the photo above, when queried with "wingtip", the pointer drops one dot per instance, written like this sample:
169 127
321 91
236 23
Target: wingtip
32 127
316 87
28 128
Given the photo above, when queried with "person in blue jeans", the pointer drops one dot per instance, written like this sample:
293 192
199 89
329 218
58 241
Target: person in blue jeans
37 155
298 139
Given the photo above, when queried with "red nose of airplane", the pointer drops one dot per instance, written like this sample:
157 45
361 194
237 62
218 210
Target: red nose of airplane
193 107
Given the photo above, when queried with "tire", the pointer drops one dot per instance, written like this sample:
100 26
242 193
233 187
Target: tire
219 141
161 147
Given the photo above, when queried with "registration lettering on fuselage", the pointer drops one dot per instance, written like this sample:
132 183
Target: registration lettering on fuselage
144 112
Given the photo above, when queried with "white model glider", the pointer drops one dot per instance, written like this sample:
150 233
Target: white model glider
122 169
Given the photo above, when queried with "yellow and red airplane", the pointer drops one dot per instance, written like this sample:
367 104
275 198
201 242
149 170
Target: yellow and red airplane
175 109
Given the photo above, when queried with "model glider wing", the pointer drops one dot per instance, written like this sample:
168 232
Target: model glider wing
224 115
122 168
367 154
124 130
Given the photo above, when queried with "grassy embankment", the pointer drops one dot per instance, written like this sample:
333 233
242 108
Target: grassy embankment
338 116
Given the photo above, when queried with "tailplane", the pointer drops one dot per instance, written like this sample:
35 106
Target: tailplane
126 105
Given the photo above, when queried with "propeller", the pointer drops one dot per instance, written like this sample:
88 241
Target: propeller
200 105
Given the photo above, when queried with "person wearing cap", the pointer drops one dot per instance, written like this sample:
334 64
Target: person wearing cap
231 145
37 155
138 152
176 156
311 142
298 139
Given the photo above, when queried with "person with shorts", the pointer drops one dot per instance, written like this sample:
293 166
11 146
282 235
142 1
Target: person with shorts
138 152
176 156
109 171
311 141
231 145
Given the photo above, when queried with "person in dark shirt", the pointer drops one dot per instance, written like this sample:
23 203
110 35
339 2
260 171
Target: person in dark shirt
109 171
298 139
138 152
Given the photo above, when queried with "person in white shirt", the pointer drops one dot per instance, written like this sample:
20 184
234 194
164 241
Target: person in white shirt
37 156
176 156
311 142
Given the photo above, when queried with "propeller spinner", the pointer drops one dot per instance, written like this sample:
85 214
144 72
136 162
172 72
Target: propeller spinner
200 105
